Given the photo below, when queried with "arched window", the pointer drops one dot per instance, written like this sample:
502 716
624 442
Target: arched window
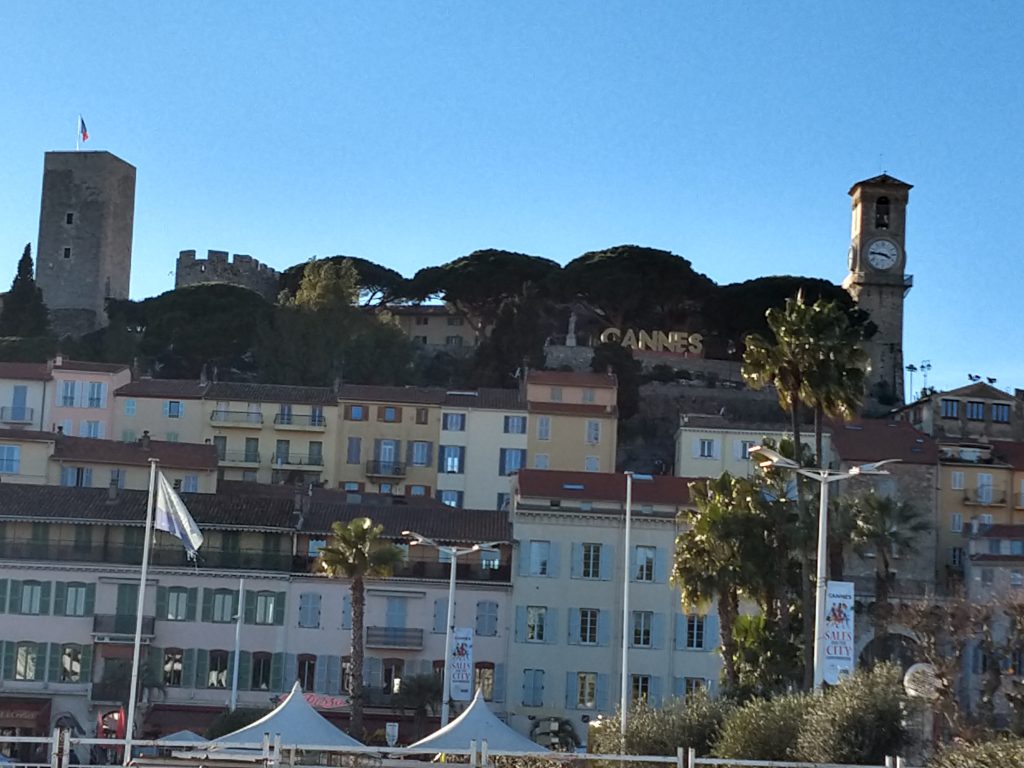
882 213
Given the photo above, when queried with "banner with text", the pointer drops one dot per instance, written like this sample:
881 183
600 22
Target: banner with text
839 645
461 664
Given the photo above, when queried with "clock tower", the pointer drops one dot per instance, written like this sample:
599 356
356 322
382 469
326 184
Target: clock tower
878 282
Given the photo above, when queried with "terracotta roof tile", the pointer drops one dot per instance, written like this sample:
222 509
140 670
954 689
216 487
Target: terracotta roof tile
171 455
571 379
176 389
25 371
90 367
385 394
601 486
489 398
27 434
977 389
270 393
877 439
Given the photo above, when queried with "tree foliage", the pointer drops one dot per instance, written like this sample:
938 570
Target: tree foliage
765 729
998 753
695 721
24 313
517 339
627 373
376 285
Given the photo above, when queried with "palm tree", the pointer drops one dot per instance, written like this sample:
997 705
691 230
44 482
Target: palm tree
357 551
421 694
885 528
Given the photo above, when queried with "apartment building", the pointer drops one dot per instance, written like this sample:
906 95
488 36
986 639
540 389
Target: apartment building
69 584
436 326
168 409
565 658
573 420
975 411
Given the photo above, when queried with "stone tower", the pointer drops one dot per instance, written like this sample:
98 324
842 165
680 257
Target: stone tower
878 282
84 252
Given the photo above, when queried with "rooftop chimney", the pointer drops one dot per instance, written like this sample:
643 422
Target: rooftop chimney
144 440
112 491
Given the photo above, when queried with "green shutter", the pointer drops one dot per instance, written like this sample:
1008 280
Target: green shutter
207 604
60 596
250 607
154 665
245 671
44 599
202 668
53 663
276 671
8 665
279 609
190 607
3 595
39 674
90 599
86 676
14 604
188 668
161 603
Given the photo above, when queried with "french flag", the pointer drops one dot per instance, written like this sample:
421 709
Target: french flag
82 130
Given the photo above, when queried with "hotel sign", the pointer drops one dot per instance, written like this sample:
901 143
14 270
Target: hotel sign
676 342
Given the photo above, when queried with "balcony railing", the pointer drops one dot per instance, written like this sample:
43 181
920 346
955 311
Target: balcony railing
116 627
986 495
237 418
239 457
298 460
379 468
16 414
421 569
300 421
394 637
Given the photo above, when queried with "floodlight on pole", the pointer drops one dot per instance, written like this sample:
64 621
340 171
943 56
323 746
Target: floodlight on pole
453 553
771 459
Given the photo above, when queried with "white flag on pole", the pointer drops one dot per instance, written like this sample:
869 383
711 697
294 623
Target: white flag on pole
171 515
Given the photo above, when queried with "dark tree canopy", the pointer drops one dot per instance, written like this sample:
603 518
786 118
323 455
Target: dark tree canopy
631 285
627 370
378 284
517 337
24 313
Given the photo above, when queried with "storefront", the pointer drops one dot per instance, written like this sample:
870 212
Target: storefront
24 716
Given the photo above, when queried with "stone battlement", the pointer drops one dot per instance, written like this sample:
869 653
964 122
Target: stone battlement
219 267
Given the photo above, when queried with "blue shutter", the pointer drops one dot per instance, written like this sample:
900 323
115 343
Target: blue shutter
711 639
373 670
679 687
167 408
553 558
87 477
480 618
498 693
333 674
551 626
607 561
576 569
305 613
520 623
440 615
493 620
660 566
523 552
291 670
574 625
632 564
44 599
394 615
603 619
658 631
501 461
538 687
462 460
277 671
602 692
680 639
320 675
346 612
3 595
570 700
655 691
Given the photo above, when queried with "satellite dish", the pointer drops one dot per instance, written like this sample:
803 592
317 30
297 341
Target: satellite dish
921 682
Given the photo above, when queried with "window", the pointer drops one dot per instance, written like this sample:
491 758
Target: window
26 664
640 687
129 406
284 413
453 422
97 394
644 564
422 415
695 632
882 213
420 320
353 450
536 615
593 432
1016 578
592 464
1001 413
173 663
487 618
533 687
356 413
261 671
67 394
74 599
223 606
541 461
956 557
173 409
416 490
484 678
490 559
265 605
70 664
388 413
190 484
540 554
453 458
10 459
453 341
67 253
956 480
515 425
31 598
950 409
556 394
642 624
217 676
511 460
591 561
588 626
117 478
456 321
984 488
451 498
316 415
420 453
985 519
392 669
586 690
744 448
1017 547
994 546
90 428
543 427
127 435
503 501
975 410
177 604
69 218
249 475
307 671
588 395
956 522
171 437
282 452
692 685
707 448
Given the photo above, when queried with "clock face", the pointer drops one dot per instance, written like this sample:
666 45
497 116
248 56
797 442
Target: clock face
882 254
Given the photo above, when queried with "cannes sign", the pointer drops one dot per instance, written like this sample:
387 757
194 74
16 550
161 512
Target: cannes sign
676 342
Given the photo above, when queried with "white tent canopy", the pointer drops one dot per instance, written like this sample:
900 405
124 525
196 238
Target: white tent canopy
478 723
183 736
297 722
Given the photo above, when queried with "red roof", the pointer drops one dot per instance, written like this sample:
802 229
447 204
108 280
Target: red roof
602 486
26 434
171 455
877 439
25 371
572 379
1000 531
89 367
172 389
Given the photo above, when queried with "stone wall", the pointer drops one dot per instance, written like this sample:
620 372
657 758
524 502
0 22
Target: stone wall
241 270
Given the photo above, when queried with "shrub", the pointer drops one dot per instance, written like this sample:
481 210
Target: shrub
691 722
859 721
229 722
661 372
990 754
764 729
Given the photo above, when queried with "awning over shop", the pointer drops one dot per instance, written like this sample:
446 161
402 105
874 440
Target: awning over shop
26 713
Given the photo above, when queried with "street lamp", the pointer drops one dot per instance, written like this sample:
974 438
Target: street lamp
454 553
770 459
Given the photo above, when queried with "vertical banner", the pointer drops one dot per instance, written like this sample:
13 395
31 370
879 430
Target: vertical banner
839 644
461 664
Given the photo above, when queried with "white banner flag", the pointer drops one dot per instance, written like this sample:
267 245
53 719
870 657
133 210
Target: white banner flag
461 664
839 644
171 515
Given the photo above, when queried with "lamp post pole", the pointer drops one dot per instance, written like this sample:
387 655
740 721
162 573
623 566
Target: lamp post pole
624 681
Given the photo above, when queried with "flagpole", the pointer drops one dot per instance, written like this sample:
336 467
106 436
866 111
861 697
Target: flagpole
78 132
238 642
139 606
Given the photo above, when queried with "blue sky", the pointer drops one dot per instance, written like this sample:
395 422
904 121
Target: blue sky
412 133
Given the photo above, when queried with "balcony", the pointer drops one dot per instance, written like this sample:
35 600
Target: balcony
16 414
243 419
117 628
421 569
240 458
298 460
379 468
301 421
986 496
394 637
